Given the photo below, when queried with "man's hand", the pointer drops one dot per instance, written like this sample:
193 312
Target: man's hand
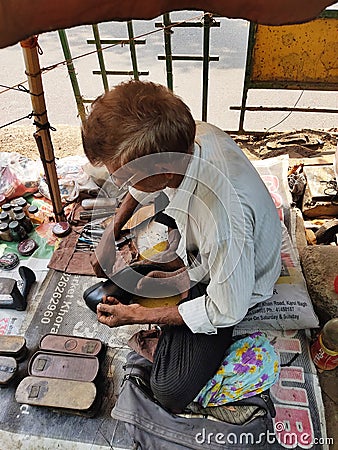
103 259
165 284
114 314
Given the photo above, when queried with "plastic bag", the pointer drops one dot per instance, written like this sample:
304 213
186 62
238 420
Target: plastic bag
18 175
274 173
72 179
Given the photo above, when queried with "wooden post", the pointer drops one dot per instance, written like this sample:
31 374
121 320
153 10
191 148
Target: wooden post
33 72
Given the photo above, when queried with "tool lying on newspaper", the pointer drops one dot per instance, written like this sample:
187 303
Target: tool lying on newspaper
13 346
123 240
13 294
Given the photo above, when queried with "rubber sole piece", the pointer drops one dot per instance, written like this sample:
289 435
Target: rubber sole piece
14 346
66 367
8 368
71 344
55 393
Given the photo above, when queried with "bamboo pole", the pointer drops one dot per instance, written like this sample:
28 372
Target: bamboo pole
132 48
33 72
102 65
72 75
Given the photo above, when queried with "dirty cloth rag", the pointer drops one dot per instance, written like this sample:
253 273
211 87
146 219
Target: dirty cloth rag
251 366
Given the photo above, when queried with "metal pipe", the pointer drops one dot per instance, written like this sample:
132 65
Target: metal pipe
188 58
281 108
206 59
117 41
167 48
118 72
248 69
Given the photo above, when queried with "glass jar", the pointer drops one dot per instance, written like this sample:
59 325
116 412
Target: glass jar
5 234
17 231
7 207
24 221
32 214
17 210
4 217
20 202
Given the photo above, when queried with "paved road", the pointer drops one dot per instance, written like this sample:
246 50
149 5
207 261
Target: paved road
226 76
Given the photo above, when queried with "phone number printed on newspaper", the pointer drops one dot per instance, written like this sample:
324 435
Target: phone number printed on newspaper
54 302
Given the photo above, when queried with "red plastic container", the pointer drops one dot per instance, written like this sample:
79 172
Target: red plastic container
324 350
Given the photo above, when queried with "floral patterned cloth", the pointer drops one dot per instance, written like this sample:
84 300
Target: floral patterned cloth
250 366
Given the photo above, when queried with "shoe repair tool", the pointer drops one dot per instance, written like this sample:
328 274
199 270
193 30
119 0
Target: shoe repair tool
61 229
11 295
86 244
92 232
84 248
88 240
96 214
66 367
27 247
8 368
71 344
9 261
96 203
124 239
56 393
14 346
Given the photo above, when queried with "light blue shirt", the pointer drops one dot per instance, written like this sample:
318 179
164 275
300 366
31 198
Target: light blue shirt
224 211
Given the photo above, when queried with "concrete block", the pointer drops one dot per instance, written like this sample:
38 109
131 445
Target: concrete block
300 236
320 267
